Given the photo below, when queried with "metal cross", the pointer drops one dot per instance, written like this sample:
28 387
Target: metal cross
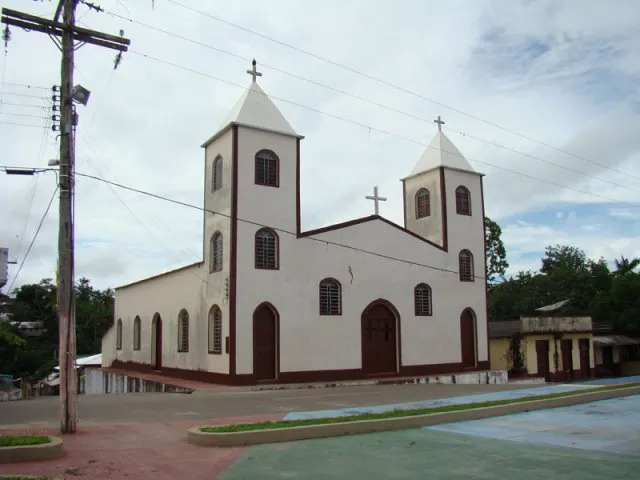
376 198
439 122
253 72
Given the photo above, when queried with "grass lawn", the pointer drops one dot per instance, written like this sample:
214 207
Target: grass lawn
244 427
21 440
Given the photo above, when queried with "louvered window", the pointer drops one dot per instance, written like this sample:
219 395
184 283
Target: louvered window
266 249
183 331
216 180
215 263
465 259
463 201
330 297
119 335
266 168
423 206
422 300
136 333
215 330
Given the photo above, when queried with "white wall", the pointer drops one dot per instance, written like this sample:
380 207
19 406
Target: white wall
429 227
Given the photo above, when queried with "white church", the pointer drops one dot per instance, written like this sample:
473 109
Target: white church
272 303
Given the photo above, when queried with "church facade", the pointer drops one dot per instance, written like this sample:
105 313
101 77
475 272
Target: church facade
272 303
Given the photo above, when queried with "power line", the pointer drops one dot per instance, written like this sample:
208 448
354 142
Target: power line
385 132
24 95
23 115
25 85
24 105
364 99
26 255
399 88
23 124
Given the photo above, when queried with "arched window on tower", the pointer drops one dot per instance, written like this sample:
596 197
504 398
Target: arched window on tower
119 335
422 300
465 261
423 203
183 331
215 253
267 249
330 297
463 201
215 330
216 174
267 165
136 333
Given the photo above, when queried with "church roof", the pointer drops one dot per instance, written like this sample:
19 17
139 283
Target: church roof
255 109
441 152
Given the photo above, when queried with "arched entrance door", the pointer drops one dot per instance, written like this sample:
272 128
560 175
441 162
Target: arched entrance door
265 335
379 339
156 342
468 338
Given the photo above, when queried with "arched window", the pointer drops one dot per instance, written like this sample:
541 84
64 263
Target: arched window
183 331
423 205
119 335
215 330
215 253
465 260
422 300
136 333
267 168
216 174
463 201
330 297
267 249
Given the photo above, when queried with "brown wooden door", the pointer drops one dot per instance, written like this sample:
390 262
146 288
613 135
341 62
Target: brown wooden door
157 341
379 340
585 362
468 339
264 343
567 358
542 354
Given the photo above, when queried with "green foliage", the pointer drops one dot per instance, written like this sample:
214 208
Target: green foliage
270 425
20 440
566 273
494 249
34 357
516 356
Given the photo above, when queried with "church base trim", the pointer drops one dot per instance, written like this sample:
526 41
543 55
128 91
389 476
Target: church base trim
408 374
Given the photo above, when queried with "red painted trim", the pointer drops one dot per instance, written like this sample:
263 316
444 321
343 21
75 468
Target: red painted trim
297 186
486 284
255 168
276 315
358 221
445 220
387 304
416 204
304 375
255 253
320 293
468 196
474 317
157 361
404 203
234 252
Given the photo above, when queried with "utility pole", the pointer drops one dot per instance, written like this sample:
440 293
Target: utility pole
69 33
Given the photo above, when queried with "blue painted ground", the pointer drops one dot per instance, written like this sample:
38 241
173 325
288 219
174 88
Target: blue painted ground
608 425
480 397
612 381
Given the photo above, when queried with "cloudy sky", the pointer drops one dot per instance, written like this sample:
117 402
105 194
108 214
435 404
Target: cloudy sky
543 97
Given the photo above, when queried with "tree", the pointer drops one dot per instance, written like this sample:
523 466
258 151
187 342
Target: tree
494 249
625 266
565 257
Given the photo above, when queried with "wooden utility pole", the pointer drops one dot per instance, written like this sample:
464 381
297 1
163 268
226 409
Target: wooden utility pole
69 33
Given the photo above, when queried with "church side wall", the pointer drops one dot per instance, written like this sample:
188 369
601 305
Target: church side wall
309 341
167 295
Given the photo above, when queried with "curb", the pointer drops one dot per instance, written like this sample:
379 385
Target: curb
28 453
234 439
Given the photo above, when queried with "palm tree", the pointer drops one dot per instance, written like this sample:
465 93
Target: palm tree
625 265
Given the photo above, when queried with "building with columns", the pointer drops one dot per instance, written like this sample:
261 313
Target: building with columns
272 303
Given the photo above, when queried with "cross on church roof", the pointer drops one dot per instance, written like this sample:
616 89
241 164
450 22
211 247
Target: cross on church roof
440 122
376 198
254 72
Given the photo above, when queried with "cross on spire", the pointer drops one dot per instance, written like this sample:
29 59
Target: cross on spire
254 72
440 122
376 198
